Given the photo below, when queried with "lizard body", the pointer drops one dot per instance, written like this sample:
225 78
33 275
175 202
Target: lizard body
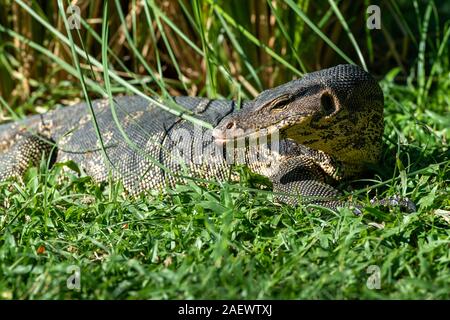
326 127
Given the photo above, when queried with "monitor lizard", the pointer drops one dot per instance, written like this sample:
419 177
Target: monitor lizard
305 136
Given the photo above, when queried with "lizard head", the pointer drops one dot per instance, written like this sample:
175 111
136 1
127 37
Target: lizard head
337 110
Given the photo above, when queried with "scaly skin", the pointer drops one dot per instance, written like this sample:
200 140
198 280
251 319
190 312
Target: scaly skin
338 111
330 123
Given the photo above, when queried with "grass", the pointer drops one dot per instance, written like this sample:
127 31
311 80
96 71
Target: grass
211 242
224 241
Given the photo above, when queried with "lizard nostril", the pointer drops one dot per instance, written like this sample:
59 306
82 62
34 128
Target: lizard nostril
230 125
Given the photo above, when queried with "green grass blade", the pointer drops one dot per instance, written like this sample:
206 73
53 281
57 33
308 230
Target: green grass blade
175 64
316 30
438 61
252 38
421 56
83 84
210 79
286 35
137 53
8 108
348 32
177 30
148 18
242 54
112 105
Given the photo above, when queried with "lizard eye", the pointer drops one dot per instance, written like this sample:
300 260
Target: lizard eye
327 104
279 103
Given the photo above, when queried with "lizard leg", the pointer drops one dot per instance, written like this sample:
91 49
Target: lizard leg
299 178
404 203
309 192
26 151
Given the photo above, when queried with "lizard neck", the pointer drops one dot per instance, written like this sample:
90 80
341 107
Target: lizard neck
265 159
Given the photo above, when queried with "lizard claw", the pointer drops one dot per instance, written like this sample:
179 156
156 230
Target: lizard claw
356 210
404 203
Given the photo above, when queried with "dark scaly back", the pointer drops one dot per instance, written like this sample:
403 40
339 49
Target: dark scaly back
154 135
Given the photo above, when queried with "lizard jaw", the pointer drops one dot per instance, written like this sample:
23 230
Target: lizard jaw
276 130
221 137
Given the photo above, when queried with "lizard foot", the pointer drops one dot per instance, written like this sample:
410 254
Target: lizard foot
404 203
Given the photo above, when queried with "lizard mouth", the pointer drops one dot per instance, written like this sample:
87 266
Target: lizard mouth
276 130
220 137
